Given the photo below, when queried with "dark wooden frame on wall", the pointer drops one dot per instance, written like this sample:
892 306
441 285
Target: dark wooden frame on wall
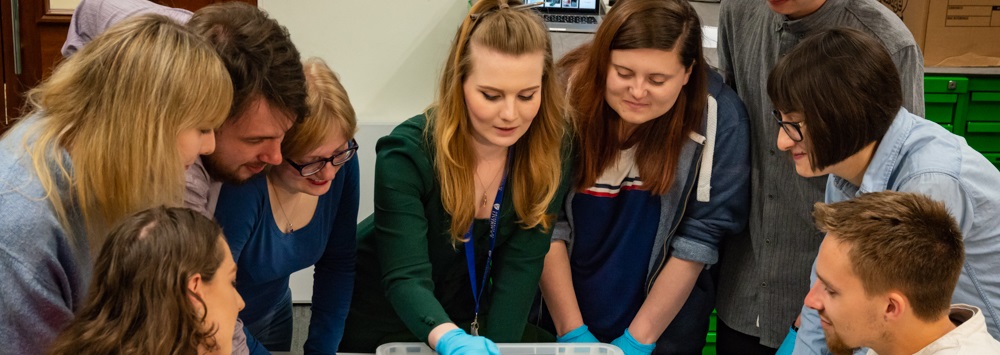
42 33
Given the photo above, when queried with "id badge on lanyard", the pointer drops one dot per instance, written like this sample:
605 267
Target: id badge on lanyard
470 251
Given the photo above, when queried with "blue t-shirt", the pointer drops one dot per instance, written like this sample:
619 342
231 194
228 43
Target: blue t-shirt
615 223
266 257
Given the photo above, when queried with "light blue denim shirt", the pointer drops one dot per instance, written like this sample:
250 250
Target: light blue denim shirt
917 155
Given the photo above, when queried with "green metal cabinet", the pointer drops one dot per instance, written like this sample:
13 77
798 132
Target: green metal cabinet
969 106
710 339
945 98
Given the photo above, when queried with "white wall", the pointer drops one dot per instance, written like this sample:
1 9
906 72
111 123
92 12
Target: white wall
388 53
389 56
65 6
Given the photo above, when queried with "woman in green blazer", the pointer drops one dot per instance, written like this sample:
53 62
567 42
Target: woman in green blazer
495 135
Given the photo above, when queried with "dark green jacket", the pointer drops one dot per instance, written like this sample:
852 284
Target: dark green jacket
410 278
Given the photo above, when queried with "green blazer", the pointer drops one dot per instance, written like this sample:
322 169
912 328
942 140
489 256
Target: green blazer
410 278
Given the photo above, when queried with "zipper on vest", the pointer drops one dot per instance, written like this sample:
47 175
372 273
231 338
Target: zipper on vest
666 243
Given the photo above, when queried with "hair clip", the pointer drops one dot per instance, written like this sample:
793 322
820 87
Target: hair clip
527 5
504 5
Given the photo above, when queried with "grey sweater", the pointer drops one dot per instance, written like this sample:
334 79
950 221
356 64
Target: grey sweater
43 274
767 274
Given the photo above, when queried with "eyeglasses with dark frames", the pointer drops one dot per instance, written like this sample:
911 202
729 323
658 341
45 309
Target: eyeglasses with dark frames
792 129
338 158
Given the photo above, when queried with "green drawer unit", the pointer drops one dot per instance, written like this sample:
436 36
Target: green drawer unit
983 83
994 158
709 348
940 108
945 98
712 320
984 99
984 137
984 106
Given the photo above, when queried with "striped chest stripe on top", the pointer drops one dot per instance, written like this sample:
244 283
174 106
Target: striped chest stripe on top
622 176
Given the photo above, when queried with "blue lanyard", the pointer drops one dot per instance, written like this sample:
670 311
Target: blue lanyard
470 252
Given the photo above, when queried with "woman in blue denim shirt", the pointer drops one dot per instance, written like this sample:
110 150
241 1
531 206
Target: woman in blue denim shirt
839 106
661 177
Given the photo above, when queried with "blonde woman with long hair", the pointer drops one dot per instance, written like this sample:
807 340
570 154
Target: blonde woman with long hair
109 133
471 184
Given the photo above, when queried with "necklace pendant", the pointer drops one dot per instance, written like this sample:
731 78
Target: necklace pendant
290 229
482 202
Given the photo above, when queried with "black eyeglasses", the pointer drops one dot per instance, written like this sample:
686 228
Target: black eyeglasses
792 129
338 158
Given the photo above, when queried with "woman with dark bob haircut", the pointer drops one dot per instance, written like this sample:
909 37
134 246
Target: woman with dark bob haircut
838 103
662 173
163 284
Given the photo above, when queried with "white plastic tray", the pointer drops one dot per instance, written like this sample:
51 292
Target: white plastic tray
510 349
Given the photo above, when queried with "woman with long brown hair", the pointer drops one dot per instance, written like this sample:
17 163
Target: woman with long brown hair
661 177
163 284
465 196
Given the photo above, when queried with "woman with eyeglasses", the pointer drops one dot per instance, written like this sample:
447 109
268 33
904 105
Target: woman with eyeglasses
839 105
661 178
301 213
466 196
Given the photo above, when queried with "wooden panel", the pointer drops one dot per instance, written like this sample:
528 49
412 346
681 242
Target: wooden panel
194 5
51 37
42 34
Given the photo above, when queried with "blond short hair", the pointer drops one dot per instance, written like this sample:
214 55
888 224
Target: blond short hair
330 111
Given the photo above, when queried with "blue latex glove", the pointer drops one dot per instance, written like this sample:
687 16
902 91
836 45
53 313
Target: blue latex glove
579 335
457 342
630 346
788 344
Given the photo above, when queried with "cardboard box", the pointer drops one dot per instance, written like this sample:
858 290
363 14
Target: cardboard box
953 33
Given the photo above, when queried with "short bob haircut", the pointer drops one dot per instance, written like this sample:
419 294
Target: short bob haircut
846 86
139 301
504 27
117 107
636 24
902 242
330 112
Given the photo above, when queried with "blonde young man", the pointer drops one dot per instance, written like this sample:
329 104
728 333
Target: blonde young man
886 273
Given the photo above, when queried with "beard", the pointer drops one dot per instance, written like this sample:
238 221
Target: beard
837 345
217 171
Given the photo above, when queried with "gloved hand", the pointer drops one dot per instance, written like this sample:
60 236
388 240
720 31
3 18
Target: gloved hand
630 346
788 344
457 342
579 335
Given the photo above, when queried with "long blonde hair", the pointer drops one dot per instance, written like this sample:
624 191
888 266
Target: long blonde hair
536 166
117 108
